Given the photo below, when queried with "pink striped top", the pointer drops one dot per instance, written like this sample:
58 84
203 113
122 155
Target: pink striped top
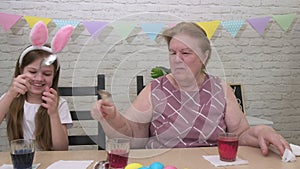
186 119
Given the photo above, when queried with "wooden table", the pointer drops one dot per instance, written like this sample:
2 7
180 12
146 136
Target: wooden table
190 158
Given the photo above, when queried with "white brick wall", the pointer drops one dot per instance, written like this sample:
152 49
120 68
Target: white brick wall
268 66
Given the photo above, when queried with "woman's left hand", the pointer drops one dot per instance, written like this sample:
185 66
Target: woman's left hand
268 136
50 101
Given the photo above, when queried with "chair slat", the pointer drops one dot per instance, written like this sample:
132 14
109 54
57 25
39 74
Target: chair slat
77 115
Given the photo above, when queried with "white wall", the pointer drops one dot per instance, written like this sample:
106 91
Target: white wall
267 66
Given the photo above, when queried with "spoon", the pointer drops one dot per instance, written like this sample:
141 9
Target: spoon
101 165
45 62
48 60
104 94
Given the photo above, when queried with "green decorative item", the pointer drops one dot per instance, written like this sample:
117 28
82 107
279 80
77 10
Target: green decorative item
159 71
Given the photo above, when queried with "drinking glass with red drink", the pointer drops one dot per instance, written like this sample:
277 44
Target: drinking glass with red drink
228 146
117 152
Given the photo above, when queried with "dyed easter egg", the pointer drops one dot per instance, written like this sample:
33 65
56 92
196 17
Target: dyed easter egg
170 167
134 166
144 167
156 165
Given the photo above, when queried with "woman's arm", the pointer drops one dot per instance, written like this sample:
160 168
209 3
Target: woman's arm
234 117
257 136
133 123
263 136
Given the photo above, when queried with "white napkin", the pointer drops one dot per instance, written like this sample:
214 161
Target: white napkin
288 155
10 166
215 160
63 164
296 149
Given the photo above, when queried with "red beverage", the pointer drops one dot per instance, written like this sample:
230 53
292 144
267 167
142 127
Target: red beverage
117 158
228 147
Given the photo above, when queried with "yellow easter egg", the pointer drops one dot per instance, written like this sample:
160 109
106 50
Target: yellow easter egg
133 166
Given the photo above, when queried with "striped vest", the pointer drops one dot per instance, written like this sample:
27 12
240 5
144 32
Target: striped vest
186 119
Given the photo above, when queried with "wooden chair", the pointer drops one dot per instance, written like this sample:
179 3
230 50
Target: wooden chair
139 84
75 140
237 89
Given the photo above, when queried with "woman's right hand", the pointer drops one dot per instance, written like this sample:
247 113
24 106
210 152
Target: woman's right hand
103 109
19 85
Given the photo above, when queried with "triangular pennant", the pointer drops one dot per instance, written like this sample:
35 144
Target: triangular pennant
284 21
123 28
232 26
94 27
152 29
31 20
209 27
8 20
61 23
170 25
259 24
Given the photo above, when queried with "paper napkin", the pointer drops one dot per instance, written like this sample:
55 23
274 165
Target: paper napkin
215 160
10 166
288 155
295 149
63 164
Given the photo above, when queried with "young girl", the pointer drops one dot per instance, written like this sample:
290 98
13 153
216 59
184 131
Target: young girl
32 106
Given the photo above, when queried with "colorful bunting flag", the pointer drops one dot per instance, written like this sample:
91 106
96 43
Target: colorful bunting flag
170 25
233 26
284 21
209 27
259 24
8 20
61 23
31 20
94 27
123 28
152 29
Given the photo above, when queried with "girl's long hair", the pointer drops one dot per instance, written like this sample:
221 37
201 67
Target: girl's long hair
15 115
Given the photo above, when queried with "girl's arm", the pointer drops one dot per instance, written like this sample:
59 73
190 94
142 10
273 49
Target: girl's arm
19 86
59 131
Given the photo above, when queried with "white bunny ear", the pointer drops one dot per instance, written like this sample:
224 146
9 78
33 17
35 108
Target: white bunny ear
39 34
61 38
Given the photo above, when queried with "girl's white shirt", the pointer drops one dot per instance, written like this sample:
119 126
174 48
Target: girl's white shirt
30 111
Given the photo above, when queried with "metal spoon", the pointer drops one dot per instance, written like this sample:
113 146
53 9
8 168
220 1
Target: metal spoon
104 94
48 60
45 62
101 165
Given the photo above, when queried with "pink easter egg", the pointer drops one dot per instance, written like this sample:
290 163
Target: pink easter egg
170 167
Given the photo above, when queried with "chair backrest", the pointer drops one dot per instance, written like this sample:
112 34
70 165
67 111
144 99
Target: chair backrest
77 140
237 89
238 92
139 84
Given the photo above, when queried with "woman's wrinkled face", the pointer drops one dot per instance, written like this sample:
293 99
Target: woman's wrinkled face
184 52
39 78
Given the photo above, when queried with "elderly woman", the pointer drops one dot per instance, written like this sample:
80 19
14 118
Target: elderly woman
186 108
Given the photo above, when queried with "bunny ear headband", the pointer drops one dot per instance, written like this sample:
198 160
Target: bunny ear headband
39 36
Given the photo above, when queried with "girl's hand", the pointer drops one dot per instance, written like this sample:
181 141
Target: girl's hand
19 85
50 101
